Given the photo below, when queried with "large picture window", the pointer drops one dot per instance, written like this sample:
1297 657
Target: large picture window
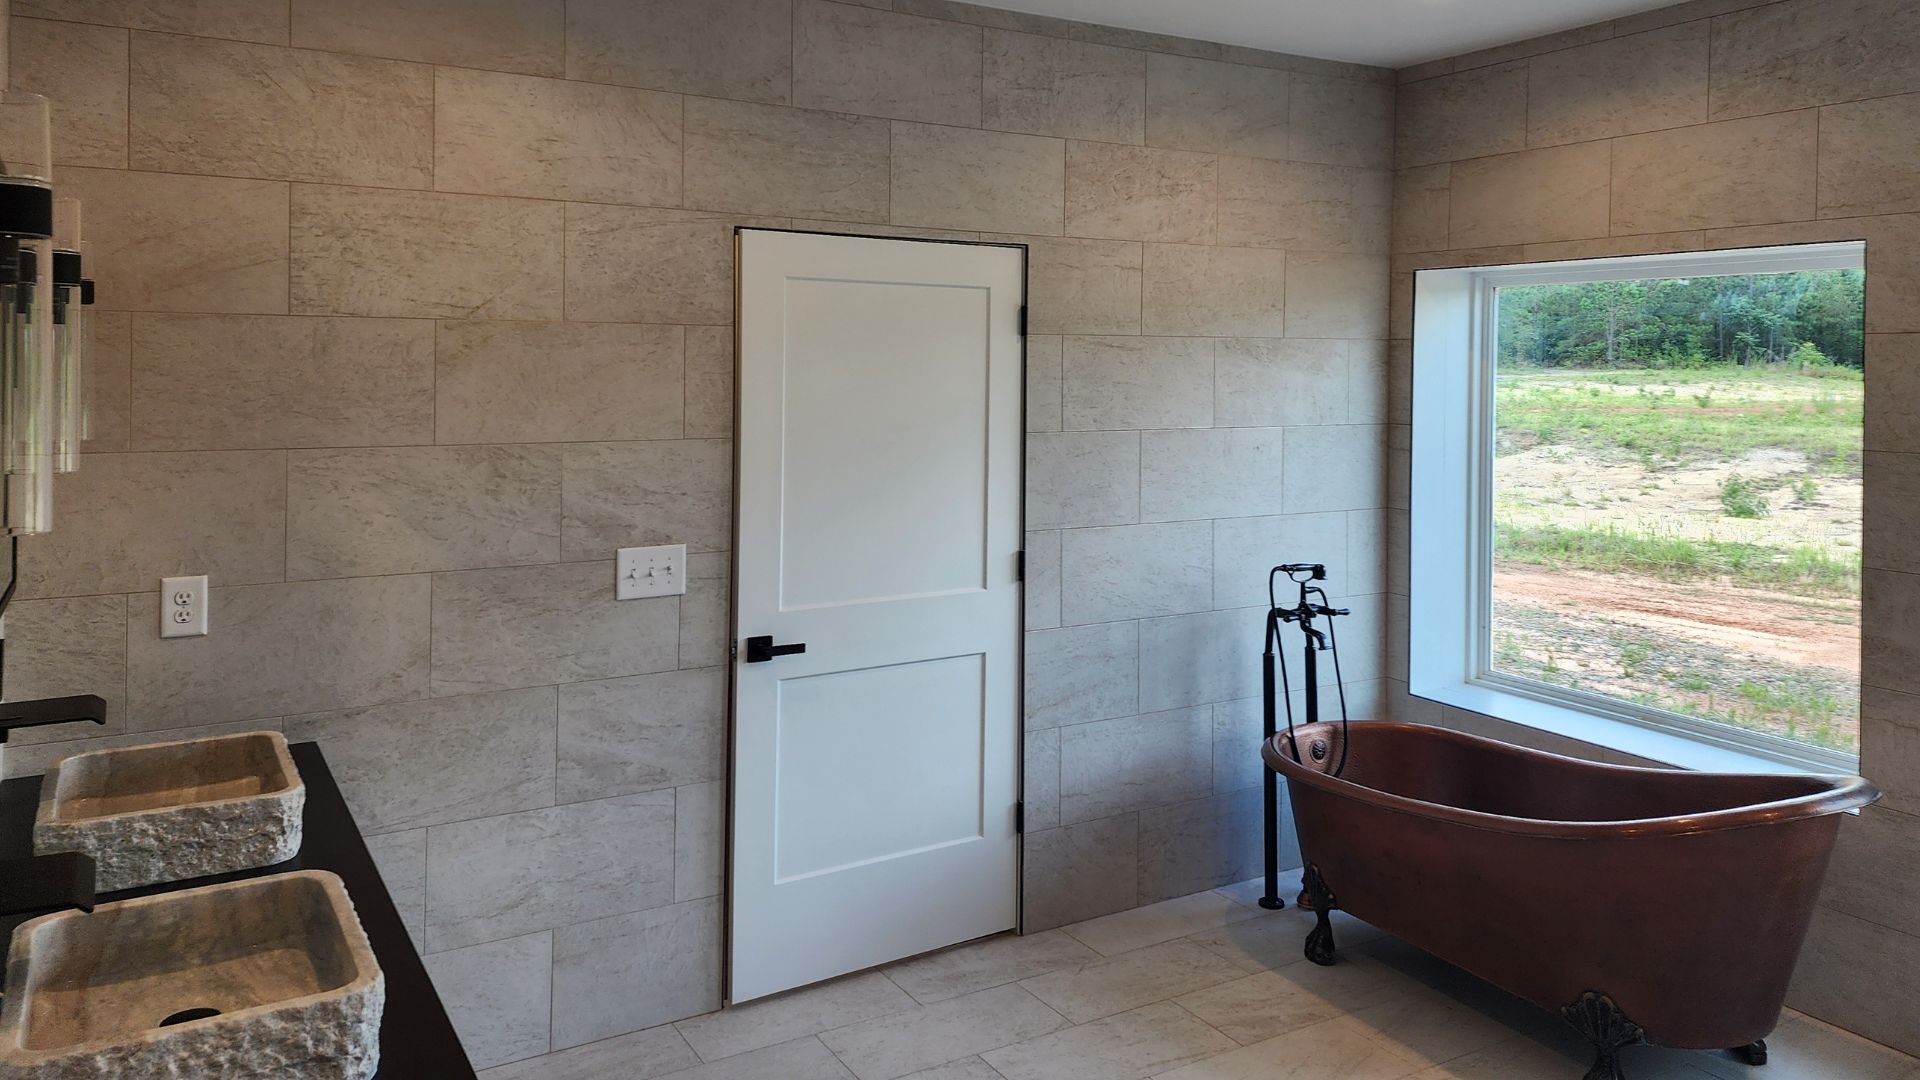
1650 471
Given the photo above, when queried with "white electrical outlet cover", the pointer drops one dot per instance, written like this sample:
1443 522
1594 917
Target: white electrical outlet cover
183 606
650 571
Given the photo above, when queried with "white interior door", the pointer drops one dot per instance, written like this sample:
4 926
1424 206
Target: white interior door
875 774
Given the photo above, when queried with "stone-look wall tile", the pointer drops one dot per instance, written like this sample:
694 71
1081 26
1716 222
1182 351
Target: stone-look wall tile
1535 196
1609 246
1040 786
498 995
497 877
1043 383
643 493
401 859
758 159
1246 549
163 242
1737 172
1828 981
1793 55
1073 89
127 520
1113 766
24 758
1422 199
498 382
1619 87
741 49
363 251
699 840
1890 746
641 733
1082 286
1876 868
1335 468
242 20
959 179
534 625
1080 478
1081 673
502 134
1270 382
1870 157
1340 122
1217 108
1890 630
1336 296
634 971
198 105
705 626
418 763
110 381
1893 515
1043 580
360 642
1209 473
1293 205
357 513
1214 291
709 382
1472 114
1200 658
1118 382
75 645
633 264
1187 847
527 36
1365 570
1139 193
216 382
1135 571
82 71
1078 872
1237 734
883 63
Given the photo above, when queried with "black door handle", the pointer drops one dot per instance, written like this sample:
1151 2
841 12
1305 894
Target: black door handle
762 649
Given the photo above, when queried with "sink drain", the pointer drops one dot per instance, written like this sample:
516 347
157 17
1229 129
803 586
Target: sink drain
185 1015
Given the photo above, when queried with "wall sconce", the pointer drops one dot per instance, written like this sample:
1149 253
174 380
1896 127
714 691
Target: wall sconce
27 375
71 414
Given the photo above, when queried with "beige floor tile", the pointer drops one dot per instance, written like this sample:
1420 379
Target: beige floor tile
1431 1026
1803 1048
992 962
1278 939
1138 978
801 1059
965 1069
929 1035
1336 1050
1129 1046
1126 931
790 1016
1269 1003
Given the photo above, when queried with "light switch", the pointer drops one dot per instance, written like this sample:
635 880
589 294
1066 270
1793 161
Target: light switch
651 571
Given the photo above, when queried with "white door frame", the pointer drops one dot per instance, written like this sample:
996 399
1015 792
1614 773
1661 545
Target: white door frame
736 631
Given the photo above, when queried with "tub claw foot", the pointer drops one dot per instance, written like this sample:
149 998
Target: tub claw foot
1319 898
1754 1053
1600 1022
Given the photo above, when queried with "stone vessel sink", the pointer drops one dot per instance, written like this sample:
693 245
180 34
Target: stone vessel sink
174 810
266 977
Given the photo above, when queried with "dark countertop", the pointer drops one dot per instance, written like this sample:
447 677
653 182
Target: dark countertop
417 1041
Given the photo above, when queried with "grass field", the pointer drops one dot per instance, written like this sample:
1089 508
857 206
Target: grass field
1687 539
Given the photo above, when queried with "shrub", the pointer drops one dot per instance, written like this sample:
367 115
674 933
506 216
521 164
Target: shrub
1740 499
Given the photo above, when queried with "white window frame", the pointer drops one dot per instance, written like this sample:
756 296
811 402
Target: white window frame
1451 553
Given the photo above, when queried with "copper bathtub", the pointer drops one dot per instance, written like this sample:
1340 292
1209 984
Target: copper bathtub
1645 905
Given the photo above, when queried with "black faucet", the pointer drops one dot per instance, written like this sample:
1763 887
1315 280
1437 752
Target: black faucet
46 883
59 710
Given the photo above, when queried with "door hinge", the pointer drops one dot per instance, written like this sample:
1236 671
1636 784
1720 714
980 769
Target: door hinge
733 649
1023 320
1020 817
1020 566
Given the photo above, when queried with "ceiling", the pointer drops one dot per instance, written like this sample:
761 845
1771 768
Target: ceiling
1387 33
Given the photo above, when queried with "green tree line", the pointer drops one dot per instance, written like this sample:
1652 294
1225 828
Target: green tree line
1814 316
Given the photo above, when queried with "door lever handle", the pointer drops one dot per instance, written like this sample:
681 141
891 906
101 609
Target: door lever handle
762 649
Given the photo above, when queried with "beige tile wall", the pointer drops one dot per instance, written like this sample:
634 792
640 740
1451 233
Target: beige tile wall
1722 123
417 309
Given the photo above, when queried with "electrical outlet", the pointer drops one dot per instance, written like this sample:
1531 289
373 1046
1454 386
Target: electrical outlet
183 606
651 571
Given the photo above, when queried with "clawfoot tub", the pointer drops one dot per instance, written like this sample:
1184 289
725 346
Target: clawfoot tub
1644 905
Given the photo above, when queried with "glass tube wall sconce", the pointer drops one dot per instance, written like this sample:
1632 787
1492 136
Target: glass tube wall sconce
70 413
27 374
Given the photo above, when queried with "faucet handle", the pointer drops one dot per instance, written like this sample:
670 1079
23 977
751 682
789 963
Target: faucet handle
60 710
42 883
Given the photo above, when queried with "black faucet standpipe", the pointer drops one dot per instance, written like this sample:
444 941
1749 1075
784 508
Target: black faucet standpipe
46 883
59 710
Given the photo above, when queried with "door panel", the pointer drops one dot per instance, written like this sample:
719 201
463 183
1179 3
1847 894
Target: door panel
875 774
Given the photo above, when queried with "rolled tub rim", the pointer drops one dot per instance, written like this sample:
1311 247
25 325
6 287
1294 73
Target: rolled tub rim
1841 792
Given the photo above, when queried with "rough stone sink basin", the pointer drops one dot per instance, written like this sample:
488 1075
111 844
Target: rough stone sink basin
266 977
174 810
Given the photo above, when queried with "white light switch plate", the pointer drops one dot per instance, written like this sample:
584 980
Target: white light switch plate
651 571
183 606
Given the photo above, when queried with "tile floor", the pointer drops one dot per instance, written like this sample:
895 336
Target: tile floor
1205 987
